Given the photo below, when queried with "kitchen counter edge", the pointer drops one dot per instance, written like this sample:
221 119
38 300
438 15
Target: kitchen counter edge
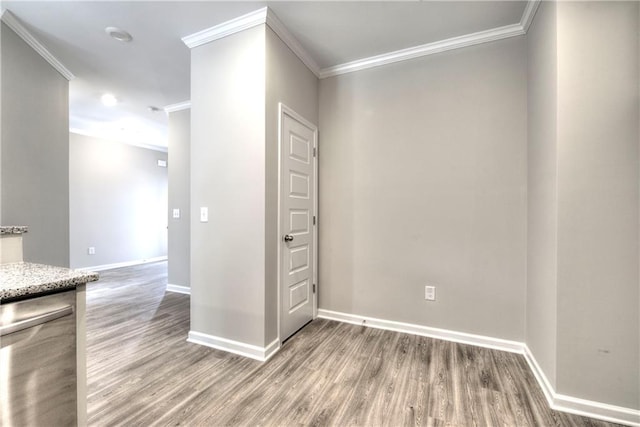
21 280
13 229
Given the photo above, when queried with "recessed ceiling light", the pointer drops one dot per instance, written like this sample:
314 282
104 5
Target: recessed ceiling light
109 100
119 34
153 109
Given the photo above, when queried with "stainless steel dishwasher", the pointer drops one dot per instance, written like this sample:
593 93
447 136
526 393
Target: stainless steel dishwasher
38 361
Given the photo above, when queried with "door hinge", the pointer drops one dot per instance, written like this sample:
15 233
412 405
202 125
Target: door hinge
314 288
314 220
315 151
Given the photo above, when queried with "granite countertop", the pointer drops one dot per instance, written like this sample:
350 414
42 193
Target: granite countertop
13 229
19 280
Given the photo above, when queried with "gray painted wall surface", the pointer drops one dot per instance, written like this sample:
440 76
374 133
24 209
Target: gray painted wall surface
179 236
423 182
288 81
228 177
583 317
541 316
118 202
598 191
1 222
35 151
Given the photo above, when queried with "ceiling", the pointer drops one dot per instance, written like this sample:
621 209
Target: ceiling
153 69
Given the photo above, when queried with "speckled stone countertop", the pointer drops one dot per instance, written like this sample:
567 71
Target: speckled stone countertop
13 229
20 280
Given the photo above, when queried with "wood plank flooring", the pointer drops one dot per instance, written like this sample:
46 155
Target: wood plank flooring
142 372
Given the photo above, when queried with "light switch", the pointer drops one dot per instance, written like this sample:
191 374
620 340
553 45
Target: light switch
176 213
204 214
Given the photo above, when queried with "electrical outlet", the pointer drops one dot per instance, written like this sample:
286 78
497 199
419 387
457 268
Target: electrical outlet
91 250
176 213
430 293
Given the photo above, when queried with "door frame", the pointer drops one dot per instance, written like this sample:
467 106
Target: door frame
282 111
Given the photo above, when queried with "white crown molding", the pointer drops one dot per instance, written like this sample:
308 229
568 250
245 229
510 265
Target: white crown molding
227 28
278 27
122 264
179 289
439 46
133 144
266 16
244 22
185 105
12 22
424 50
577 406
236 347
528 14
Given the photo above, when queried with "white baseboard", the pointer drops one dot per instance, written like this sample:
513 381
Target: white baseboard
179 289
577 406
558 402
410 328
271 349
122 264
247 350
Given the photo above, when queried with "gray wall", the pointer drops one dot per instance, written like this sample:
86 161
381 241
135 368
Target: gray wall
598 191
423 182
583 316
35 151
118 202
228 177
288 81
179 249
542 224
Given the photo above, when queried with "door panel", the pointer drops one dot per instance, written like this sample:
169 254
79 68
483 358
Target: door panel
297 210
299 185
298 295
300 221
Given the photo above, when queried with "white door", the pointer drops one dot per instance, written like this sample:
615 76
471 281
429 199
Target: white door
297 210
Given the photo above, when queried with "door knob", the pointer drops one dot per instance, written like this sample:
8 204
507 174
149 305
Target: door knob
288 238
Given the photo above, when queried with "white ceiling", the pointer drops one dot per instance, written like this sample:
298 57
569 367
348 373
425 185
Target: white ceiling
153 70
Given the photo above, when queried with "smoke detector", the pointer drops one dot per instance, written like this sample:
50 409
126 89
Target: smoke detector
119 34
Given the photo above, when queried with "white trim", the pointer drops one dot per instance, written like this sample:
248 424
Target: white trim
184 105
179 289
424 50
250 20
266 16
598 410
12 22
556 401
271 349
227 28
278 219
123 264
236 347
528 14
410 328
577 406
282 110
439 46
278 27
133 144
542 379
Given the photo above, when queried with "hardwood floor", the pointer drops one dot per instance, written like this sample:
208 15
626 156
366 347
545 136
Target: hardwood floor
141 371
